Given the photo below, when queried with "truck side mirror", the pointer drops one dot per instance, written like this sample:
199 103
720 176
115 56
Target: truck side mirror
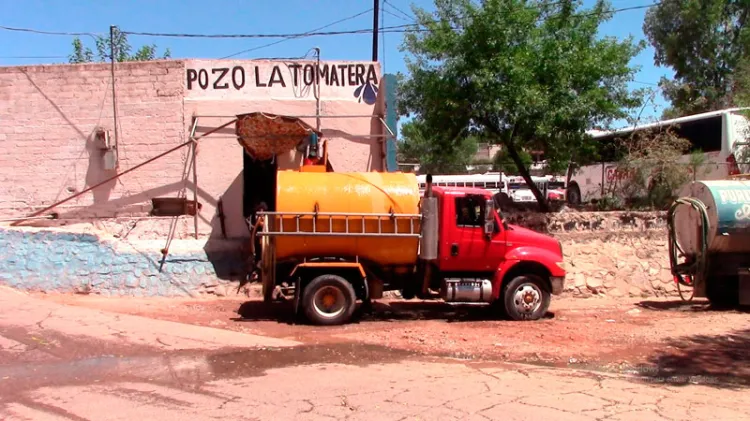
489 217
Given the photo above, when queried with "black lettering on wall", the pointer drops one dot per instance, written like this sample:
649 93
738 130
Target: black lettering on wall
334 77
342 76
295 73
360 74
351 71
372 76
222 71
238 77
258 83
309 74
276 77
203 78
192 76
323 73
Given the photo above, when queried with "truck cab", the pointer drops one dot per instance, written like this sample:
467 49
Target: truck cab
503 263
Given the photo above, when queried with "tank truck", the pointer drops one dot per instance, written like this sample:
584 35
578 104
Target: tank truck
709 241
334 239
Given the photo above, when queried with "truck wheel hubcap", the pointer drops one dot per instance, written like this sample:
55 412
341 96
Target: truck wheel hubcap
329 302
527 298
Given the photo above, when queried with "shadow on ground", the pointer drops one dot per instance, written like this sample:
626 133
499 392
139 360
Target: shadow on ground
713 360
283 312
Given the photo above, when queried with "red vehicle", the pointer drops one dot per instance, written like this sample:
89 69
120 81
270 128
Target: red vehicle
376 234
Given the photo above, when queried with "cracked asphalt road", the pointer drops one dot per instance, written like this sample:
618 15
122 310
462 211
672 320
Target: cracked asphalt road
67 363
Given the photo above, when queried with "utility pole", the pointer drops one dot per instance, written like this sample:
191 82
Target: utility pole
376 12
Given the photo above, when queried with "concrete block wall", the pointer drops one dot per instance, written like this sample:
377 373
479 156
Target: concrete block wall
53 260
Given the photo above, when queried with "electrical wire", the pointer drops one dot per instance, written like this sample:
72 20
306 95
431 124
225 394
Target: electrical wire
294 37
390 29
411 18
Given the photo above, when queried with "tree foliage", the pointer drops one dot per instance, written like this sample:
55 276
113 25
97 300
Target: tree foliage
528 74
424 146
703 41
653 169
122 50
502 162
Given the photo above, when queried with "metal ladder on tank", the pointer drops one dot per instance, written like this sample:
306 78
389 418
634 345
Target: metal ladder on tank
362 220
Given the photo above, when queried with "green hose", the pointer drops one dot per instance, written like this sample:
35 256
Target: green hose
695 266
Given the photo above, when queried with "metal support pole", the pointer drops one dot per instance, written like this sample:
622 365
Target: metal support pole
195 186
376 12
114 91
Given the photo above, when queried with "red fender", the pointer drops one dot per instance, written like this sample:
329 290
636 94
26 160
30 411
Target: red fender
552 261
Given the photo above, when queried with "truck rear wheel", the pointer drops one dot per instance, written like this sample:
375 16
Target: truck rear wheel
526 297
329 300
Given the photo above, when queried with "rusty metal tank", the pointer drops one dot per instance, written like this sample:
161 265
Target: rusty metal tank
370 216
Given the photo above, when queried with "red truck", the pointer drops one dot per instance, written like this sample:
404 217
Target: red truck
335 238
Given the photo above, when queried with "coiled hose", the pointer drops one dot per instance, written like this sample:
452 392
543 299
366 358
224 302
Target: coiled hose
694 267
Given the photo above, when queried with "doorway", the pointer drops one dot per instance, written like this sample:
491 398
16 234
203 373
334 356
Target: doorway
258 183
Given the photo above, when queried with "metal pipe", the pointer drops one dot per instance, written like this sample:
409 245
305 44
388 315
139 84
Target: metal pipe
297 116
195 175
53 216
374 215
116 176
339 234
114 91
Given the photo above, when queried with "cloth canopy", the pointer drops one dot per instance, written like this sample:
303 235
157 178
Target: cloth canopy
266 135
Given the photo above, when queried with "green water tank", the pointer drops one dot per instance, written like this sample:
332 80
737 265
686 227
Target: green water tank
728 206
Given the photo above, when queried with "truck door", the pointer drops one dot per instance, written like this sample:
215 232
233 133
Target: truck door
465 247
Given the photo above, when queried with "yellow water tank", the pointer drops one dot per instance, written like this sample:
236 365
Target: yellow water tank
366 237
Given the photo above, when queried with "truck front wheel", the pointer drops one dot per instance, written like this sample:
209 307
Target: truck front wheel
526 297
329 300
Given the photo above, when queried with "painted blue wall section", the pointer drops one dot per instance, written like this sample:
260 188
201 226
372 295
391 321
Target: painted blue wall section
69 262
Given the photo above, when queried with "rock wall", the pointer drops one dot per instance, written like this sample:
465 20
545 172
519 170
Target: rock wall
609 253
613 254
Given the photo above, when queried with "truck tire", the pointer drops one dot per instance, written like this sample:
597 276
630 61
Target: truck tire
526 297
573 195
329 300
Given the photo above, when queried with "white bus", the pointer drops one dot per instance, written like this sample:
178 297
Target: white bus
495 182
719 135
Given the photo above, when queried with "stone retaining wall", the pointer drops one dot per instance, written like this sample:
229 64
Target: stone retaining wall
609 253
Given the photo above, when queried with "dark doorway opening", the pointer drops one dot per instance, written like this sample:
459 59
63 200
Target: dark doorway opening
259 184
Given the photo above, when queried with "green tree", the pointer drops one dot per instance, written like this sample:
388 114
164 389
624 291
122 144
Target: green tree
502 161
426 147
529 74
703 41
122 50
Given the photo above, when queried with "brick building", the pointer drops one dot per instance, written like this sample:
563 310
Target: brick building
58 138
54 122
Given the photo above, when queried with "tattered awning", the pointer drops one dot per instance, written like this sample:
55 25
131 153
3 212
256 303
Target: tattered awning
266 135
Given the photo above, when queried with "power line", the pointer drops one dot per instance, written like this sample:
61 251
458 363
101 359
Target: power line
398 28
293 37
37 31
409 17
392 14
31 57
390 29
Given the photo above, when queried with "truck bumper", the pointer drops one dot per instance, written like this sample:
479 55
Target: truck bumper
557 282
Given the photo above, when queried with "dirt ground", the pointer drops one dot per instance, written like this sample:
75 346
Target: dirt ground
650 335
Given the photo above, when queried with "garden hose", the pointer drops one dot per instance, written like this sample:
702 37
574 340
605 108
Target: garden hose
695 266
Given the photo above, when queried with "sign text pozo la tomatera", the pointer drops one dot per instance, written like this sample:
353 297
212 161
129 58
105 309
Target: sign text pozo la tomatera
355 80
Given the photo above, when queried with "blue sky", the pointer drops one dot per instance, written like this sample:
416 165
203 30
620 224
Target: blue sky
248 16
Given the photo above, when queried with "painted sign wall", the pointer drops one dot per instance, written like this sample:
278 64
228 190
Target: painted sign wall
243 79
